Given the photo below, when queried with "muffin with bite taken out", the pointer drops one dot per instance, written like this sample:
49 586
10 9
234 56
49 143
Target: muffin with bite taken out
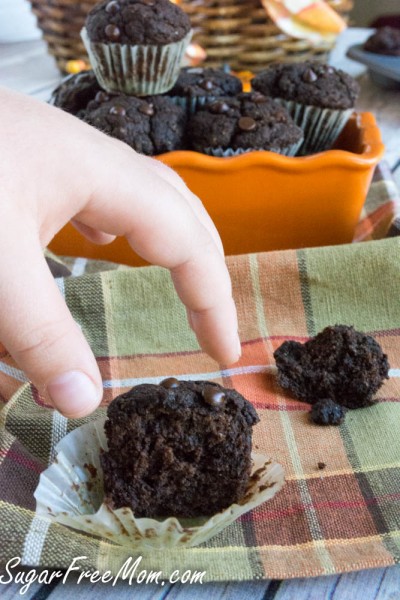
181 448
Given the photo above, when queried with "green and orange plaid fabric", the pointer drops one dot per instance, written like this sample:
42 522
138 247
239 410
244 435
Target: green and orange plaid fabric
342 518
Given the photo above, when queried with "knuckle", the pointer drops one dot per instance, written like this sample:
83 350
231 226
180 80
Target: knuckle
41 341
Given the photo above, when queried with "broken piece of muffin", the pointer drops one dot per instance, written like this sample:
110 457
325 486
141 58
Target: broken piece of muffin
181 448
339 366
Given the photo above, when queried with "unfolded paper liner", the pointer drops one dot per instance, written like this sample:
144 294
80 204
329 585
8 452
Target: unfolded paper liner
321 126
71 492
291 150
141 70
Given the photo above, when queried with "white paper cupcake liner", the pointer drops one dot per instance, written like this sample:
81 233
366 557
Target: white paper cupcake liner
321 126
226 152
71 492
136 70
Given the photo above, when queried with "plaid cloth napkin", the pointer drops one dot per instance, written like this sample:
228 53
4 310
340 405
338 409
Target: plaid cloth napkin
342 518
380 216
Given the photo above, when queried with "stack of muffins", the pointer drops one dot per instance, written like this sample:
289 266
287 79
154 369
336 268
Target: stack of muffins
138 93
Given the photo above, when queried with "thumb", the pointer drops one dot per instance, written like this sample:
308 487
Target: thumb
38 330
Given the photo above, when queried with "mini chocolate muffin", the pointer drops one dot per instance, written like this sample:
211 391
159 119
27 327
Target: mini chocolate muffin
310 83
144 22
248 122
180 448
136 46
319 98
385 40
339 364
198 86
150 125
75 92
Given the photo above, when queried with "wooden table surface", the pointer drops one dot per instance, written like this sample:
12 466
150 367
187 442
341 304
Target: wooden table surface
26 67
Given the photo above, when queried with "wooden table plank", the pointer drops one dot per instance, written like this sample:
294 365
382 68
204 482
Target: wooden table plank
124 591
254 590
11 591
389 588
371 584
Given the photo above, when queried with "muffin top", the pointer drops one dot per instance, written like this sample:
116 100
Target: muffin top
198 81
183 399
150 22
151 125
386 40
75 92
247 121
310 83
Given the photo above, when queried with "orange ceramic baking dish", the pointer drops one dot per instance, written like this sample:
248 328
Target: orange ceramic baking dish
263 201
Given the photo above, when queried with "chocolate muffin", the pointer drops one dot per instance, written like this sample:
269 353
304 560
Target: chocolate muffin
136 46
180 448
75 92
133 22
319 98
385 40
339 364
310 83
248 122
150 126
198 86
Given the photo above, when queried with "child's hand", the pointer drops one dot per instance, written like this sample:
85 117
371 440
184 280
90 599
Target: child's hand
54 168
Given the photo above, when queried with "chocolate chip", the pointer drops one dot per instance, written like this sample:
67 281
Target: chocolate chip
117 110
309 76
219 107
146 109
112 32
213 396
148 2
101 97
112 7
258 98
207 84
321 465
170 382
247 124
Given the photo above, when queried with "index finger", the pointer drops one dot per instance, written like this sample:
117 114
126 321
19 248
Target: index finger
159 224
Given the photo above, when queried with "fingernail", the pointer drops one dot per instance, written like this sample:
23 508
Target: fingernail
74 394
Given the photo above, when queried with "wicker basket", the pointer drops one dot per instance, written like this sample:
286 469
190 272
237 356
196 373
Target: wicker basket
234 32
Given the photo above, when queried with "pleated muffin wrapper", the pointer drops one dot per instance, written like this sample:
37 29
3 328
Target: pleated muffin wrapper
321 126
71 492
291 150
141 70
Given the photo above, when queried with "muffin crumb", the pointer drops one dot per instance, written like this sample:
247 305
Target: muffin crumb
327 412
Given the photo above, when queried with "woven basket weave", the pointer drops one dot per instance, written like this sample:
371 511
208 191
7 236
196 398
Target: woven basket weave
234 32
